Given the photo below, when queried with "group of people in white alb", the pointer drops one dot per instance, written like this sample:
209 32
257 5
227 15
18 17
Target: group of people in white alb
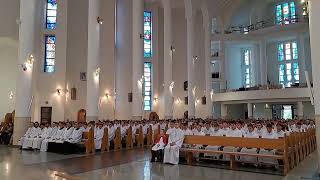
271 129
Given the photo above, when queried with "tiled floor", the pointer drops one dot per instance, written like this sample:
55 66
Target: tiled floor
128 165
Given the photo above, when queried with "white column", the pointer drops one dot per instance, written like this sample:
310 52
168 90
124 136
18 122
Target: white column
224 111
24 98
207 44
250 110
93 61
222 65
314 24
168 103
263 63
302 58
137 59
190 58
300 109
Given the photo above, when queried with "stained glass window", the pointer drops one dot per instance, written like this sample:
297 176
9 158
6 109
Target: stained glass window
246 67
147 86
286 13
288 63
147 34
51 14
50 53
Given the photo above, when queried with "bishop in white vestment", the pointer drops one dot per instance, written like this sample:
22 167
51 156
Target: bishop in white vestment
171 151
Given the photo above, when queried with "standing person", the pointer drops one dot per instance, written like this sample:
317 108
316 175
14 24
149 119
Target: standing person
171 152
99 132
157 150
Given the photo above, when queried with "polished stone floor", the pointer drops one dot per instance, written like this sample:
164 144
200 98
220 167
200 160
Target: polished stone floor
126 165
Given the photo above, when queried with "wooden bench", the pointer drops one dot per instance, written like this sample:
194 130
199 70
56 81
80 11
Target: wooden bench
139 137
129 141
88 141
105 144
278 144
156 133
149 136
117 139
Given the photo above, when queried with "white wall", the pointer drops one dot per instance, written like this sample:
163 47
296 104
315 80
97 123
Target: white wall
233 72
124 59
9 35
179 74
76 55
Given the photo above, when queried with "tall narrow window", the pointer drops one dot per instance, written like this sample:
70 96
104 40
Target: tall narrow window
147 34
51 14
286 13
246 67
288 63
50 53
147 86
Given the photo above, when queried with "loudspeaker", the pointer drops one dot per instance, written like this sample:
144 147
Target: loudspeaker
129 97
73 94
186 100
185 86
204 100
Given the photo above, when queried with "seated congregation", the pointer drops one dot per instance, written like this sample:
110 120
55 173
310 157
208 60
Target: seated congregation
279 144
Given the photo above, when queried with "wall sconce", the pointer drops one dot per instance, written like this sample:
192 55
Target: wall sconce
195 58
172 49
196 102
305 7
141 81
97 72
106 96
59 91
99 20
178 101
194 91
171 86
11 95
155 100
28 64
211 94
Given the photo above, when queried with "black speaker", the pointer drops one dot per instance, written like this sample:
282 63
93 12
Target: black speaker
186 100
185 86
204 100
129 97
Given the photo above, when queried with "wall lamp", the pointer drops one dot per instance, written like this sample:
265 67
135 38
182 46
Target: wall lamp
99 20
97 72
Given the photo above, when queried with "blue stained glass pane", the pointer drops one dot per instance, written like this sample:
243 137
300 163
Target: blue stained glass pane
51 14
147 34
285 12
147 86
280 52
49 62
293 12
279 13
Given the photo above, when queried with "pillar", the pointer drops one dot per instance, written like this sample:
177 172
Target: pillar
137 59
250 110
207 54
168 53
24 98
314 24
263 63
302 58
300 110
224 111
93 61
190 57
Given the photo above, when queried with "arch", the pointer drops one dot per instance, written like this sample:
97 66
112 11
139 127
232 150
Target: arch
82 115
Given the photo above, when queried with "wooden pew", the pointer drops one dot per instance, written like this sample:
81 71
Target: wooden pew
129 141
279 144
105 145
88 141
139 137
149 136
156 133
117 140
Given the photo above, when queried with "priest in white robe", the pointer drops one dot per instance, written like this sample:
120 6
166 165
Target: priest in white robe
52 134
250 134
36 144
35 132
171 152
98 136
27 134
215 132
269 134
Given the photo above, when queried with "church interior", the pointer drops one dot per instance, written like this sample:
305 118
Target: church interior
159 89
